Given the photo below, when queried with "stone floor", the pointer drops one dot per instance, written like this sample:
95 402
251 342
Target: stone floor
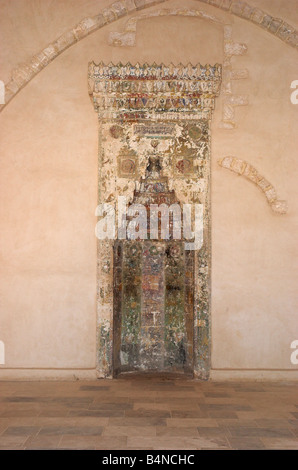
148 414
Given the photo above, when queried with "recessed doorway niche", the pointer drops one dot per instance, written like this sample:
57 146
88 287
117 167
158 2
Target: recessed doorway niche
153 295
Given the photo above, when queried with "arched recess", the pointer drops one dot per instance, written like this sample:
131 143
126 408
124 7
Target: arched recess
26 72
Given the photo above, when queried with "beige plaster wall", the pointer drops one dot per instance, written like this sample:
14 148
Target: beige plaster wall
48 171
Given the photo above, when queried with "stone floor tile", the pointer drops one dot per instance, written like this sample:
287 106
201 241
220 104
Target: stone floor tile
246 443
78 442
94 388
69 430
97 413
21 430
191 422
189 414
26 399
42 442
174 394
225 401
223 414
160 442
54 412
148 421
130 431
19 413
293 423
12 441
248 423
176 432
111 406
225 407
72 400
183 407
273 423
212 432
216 394
138 448
144 413
280 443
180 401
204 443
98 400
116 443
260 432
261 414
152 406
3 427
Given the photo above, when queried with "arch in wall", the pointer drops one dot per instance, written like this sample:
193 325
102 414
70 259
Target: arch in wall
245 169
26 72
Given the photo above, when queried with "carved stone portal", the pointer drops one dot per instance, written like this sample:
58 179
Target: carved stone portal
153 294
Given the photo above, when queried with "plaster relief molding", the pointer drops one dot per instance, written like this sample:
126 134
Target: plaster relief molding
127 38
154 91
243 168
231 100
26 72
276 26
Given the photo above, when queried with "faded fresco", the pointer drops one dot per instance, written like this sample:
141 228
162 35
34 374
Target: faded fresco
154 146
153 287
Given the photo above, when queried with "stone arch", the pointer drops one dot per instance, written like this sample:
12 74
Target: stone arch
26 72
245 169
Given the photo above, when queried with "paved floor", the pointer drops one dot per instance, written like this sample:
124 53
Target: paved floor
148 414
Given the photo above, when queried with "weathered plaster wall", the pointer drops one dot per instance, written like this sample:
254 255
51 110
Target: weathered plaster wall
48 171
